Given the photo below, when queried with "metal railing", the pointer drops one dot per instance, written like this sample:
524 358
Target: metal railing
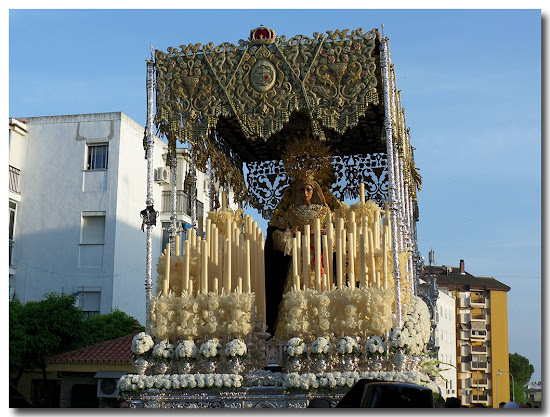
479 349
478 365
183 204
14 180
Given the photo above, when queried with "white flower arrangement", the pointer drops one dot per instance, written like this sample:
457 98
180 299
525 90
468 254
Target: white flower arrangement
296 347
187 350
321 346
348 346
333 380
210 349
375 346
400 340
142 344
236 348
132 382
163 351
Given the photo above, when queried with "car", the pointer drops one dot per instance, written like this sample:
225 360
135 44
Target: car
373 393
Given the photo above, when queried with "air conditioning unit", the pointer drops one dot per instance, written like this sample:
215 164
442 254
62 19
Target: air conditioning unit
162 175
107 382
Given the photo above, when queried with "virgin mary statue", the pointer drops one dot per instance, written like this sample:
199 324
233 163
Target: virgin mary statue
304 201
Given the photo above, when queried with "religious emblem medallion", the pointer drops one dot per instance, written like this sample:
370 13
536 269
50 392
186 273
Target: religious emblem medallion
262 75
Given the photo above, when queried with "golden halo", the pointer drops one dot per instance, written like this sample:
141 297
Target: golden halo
307 158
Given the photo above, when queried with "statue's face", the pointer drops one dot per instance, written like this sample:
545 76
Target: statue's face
307 194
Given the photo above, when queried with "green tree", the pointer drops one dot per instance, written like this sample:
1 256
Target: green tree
522 371
41 329
102 327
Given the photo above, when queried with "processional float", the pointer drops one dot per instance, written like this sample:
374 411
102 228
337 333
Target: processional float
240 108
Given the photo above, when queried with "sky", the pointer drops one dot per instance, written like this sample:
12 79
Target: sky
471 89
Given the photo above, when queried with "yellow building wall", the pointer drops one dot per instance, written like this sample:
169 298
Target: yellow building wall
499 347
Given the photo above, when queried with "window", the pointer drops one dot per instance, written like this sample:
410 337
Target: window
13 209
93 228
90 302
97 157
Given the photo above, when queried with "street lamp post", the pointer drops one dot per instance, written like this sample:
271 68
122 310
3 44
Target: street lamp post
513 385
497 374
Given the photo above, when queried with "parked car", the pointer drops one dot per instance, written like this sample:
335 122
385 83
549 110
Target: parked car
372 393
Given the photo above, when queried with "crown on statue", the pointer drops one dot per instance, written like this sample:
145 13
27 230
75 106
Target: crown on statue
307 159
262 36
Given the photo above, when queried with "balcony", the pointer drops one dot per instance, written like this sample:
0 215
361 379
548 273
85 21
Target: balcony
479 335
14 180
463 318
464 334
482 382
478 302
464 302
479 317
479 349
479 398
479 366
464 366
464 350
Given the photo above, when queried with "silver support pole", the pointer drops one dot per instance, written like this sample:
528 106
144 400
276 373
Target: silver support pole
173 201
149 200
192 197
392 179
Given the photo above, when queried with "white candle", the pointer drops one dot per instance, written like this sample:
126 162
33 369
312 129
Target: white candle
305 257
362 260
224 200
294 257
204 266
377 228
325 259
307 273
239 285
177 248
372 267
329 267
298 237
191 287
215 285
185 275
385 256
317 237
362 192
228 266
248 286
351 261
166 282
339 279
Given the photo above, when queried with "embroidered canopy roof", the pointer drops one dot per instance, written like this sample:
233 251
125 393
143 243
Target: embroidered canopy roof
242 104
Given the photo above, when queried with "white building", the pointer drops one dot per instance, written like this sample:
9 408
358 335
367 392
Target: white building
77 187
446 340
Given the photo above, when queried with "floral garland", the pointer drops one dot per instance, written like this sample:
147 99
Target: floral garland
220 217
206 315
334 380
133 382
142 344
415 333
339 312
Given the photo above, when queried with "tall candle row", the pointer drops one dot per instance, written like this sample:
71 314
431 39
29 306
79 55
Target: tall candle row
228 259
354 248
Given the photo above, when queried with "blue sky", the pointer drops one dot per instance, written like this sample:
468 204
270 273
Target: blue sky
471 88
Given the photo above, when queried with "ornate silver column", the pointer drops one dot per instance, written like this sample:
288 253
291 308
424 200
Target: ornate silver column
391 176
173 201
149 200
192 197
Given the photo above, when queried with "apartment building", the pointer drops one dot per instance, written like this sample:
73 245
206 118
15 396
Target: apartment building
77 187
445 341
481 333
